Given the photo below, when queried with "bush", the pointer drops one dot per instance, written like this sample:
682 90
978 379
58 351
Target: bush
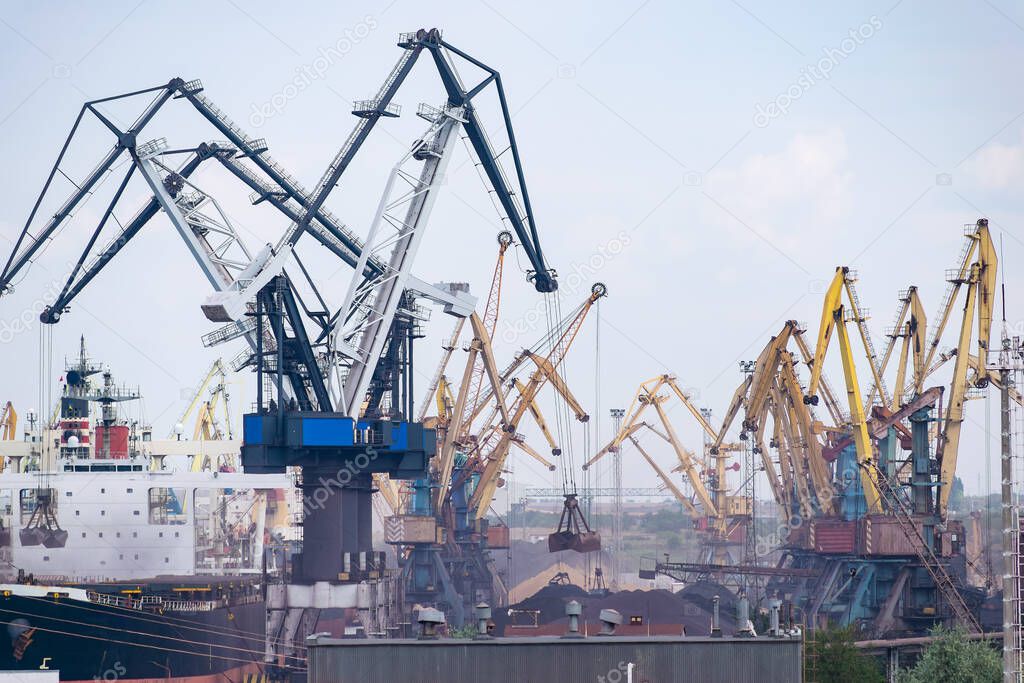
952 658
831 657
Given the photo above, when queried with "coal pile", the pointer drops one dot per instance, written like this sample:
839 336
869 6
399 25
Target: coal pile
659 611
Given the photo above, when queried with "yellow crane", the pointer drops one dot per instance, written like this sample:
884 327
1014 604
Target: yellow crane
210 397
647 396
490 318
911 327
718 509
977 246
806 430
979 302
8 427
480 347
834 318
762 394
913 332
8 423
489 460
977 272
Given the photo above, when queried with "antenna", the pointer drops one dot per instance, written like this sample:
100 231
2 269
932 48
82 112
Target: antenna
1002 276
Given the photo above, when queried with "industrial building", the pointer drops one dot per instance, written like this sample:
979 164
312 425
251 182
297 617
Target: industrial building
606 656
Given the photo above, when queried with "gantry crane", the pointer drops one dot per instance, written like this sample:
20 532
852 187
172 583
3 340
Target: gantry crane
353 372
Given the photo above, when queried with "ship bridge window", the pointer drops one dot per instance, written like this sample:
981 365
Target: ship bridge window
29 500
167 506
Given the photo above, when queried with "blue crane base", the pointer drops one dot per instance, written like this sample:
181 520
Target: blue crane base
338 456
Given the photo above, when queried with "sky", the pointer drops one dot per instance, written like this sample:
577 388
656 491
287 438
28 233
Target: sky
710 162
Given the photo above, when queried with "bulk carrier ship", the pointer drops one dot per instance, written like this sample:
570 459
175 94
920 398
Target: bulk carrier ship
116 566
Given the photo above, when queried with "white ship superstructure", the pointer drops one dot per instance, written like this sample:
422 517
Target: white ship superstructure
136 523
92 497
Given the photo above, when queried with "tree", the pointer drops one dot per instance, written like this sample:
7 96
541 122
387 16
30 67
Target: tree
832 657
952 658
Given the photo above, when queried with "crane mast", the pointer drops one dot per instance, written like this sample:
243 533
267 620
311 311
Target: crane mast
833 317
397 228
490 318
493 461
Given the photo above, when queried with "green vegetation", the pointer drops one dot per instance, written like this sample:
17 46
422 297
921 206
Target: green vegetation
953 658
467 632
831 657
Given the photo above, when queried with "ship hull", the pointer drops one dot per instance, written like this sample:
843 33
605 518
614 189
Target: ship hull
87 641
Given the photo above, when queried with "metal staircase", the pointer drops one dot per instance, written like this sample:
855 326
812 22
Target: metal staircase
929 560
368 112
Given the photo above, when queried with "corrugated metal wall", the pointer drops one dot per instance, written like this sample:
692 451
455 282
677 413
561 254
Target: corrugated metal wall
543 660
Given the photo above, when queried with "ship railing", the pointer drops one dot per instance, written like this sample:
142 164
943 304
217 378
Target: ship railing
114 600
191 605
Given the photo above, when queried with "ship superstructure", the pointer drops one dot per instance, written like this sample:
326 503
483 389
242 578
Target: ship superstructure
110 557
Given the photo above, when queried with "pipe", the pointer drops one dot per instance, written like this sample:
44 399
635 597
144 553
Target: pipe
919 640
716 630
773 628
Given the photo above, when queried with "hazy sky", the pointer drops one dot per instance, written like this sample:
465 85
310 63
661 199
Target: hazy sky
712 162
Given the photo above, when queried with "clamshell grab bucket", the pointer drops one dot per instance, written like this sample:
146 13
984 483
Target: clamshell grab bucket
573 532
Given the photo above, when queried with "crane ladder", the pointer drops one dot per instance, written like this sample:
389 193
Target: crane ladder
936 569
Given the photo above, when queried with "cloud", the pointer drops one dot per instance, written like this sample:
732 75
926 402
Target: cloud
998 166
805 181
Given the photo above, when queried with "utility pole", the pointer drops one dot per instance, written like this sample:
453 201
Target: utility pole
617 415
1011 581
750 493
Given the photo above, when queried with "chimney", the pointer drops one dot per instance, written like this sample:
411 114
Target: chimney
773 628
610 619
483 616
573 609
744 629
